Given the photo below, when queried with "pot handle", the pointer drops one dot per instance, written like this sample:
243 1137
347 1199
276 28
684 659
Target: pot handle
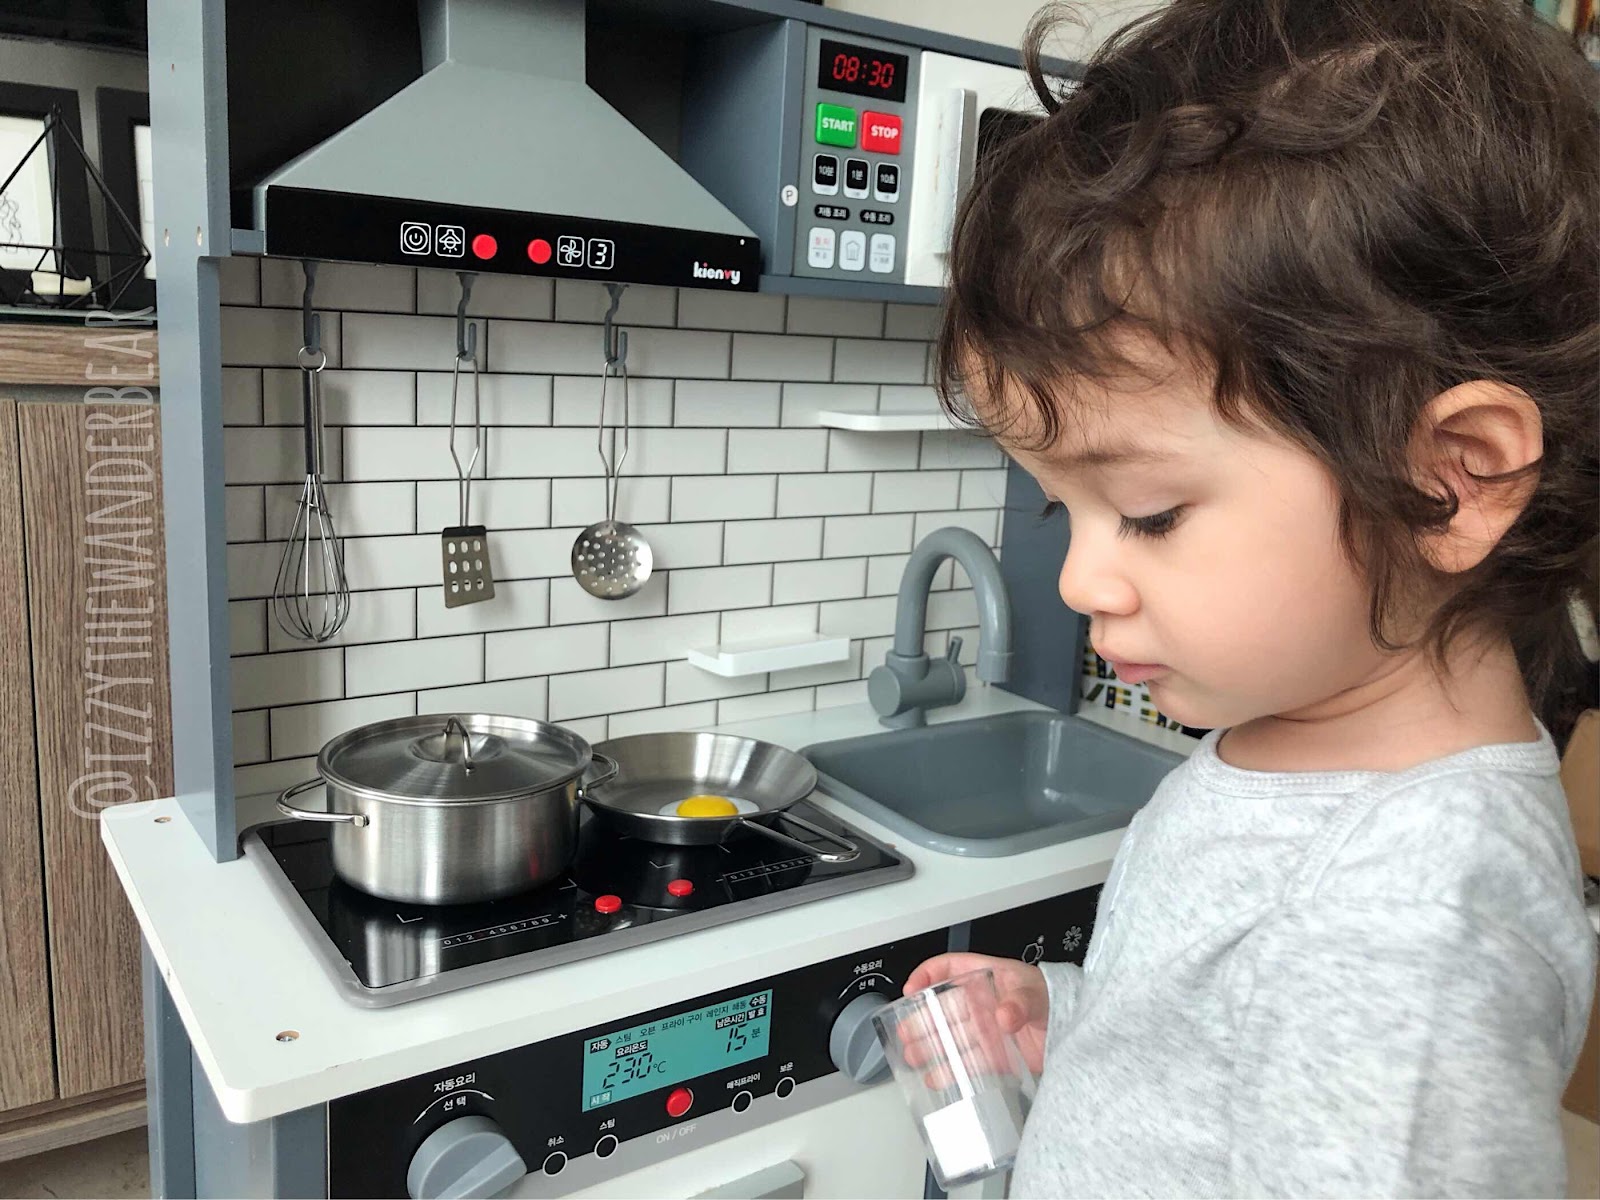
607 773
851 850
306 814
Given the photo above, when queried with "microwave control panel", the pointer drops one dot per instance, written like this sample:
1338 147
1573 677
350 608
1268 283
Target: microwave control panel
856 160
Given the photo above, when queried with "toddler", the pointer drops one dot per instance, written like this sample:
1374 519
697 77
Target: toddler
1292 305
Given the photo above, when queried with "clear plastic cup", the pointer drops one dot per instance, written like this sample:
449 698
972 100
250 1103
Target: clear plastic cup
964 1079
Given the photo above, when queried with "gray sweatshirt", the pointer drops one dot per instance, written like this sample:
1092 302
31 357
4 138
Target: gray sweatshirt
1324 984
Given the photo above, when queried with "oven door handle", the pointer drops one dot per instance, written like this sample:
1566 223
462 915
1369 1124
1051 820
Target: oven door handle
781 1181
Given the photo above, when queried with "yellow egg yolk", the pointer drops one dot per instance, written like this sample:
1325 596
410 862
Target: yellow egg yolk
707 806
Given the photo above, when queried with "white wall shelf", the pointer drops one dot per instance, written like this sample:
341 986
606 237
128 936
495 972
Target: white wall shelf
890 422
732 659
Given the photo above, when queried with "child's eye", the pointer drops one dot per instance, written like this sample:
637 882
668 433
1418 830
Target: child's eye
1157 525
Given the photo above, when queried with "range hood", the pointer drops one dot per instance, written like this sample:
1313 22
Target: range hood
501 158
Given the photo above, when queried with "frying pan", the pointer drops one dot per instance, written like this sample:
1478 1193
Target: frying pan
655 770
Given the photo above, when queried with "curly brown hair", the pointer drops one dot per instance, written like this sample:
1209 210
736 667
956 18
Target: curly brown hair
1343 207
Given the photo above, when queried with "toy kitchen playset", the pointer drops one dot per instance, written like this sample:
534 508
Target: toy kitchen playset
409 991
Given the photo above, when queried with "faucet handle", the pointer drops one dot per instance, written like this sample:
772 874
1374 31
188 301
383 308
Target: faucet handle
954 652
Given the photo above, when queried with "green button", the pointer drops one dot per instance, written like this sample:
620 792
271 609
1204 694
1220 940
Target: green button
836 125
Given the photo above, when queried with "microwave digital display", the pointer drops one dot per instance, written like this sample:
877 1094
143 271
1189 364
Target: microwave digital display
862 71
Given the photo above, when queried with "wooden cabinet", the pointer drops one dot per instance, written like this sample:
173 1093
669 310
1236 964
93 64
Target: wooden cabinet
83 694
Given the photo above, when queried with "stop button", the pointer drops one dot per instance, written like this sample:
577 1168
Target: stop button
880 132
679 1102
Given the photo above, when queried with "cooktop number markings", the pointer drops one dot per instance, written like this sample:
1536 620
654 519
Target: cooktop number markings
494 931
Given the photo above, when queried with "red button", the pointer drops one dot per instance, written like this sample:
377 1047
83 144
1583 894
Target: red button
880 132
680 887
607 903
484 245
679 1102
539 251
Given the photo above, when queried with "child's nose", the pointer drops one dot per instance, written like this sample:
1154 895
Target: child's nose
1091 584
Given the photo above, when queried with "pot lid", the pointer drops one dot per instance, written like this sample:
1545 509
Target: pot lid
439 758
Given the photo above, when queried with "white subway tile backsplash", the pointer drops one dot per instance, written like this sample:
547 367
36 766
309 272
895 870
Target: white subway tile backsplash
306 728
354 286
846 318
885 571
959 449
593 730
404 343
860 361
595 693
553 651
492 295
394 562
678 353
536 453
247 627
803 401
699 308
264 680
273 777
544 348
915 491
688 684
982 522
663 720
241 394
570 604
689 545
577 402
272 337
373 454
726 404
252 568
678 451
770 356
411 666
580 502
723 497
837 695
357 509
762 451
502 400
772 541
517 604
765 704
952 610
983 489
858 618
256 455
242 514
761 624
512 697
824 495
348 397
495 503
578 300
853 537
907 398
660 639
828 579
917 322
239 280
872 451
250 737
714 588
381 616
531 553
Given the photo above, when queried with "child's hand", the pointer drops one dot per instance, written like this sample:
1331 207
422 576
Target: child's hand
1024 1000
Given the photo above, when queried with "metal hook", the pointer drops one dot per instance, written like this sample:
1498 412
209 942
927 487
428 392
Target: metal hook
612 340
310 320
466 332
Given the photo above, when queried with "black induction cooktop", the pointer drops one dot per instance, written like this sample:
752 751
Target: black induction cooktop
619 892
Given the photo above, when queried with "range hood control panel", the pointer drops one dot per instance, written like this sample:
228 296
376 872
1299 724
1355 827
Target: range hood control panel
311 223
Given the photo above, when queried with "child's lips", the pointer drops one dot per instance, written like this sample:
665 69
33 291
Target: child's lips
1137 673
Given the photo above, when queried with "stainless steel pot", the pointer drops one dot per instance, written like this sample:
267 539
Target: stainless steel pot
452 808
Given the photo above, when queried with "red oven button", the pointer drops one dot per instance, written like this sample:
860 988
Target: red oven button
880 132
607 903
539 251
679 1102
680 888
484 245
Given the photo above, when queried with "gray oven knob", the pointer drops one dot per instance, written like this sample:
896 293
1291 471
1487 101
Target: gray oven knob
853 1043
466 1157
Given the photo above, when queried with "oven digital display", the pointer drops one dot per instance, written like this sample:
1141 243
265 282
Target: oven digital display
862 71
632 1061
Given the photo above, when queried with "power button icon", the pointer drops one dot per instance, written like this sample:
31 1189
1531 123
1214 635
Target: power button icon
416 237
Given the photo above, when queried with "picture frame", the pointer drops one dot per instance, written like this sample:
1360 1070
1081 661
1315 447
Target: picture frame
65 181
124 119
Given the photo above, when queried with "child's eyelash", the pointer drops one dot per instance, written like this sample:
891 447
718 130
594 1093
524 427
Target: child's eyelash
1156 525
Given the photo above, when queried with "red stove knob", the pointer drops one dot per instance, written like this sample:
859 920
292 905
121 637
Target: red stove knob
680 888
607 903
679 1102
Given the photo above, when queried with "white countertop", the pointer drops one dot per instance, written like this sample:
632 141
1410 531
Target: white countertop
240 971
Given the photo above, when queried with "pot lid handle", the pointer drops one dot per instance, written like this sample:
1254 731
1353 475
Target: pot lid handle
452 744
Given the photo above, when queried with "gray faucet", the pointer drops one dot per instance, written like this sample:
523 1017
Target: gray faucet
909 683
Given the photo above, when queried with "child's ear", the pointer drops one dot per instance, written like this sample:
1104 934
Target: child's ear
1482 442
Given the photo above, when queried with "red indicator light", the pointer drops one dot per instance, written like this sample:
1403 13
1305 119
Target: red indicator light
484 245
607 903
539 251
679 1102
680 887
